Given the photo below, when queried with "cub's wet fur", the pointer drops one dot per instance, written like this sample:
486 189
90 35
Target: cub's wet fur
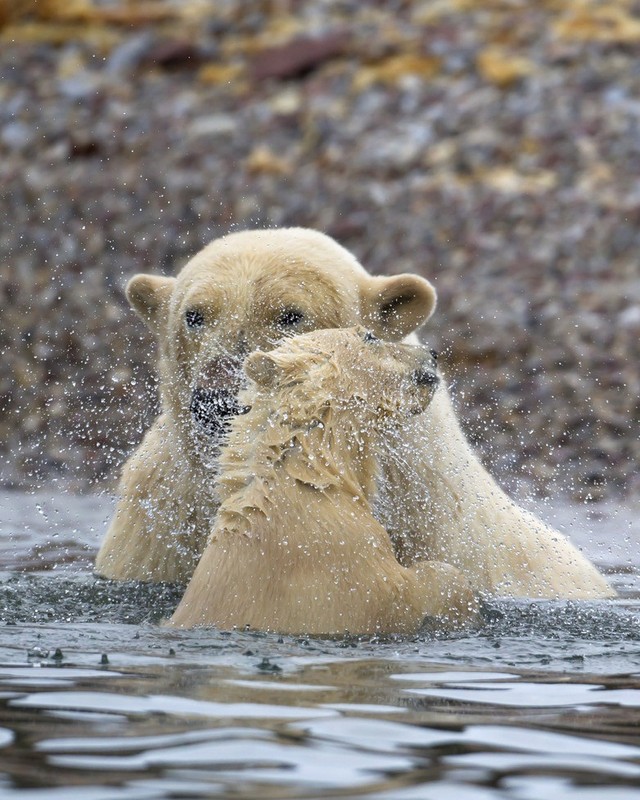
295 547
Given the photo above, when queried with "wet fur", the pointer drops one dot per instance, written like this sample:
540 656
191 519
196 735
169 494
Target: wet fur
165 507
437 500
296 548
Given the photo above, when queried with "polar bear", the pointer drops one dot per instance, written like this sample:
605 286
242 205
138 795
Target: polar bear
245 292
295 547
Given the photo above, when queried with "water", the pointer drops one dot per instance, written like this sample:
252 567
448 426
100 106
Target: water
97 700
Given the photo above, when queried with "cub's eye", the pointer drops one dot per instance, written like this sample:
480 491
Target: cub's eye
194 318
370 337
289 318
434 354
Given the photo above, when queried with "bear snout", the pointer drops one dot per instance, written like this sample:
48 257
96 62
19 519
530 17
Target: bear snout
425 375
214 398
222 372
212 408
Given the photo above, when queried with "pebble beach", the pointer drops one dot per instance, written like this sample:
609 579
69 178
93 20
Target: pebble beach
492 147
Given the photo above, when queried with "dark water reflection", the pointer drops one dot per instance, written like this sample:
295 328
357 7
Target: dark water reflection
98 701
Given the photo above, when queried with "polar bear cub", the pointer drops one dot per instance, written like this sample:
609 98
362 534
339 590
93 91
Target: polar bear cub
295 547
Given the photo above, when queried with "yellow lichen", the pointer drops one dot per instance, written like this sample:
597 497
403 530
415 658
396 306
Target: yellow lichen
607 23
391 70
501 66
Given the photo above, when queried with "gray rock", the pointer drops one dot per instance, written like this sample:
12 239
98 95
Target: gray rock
17 135
128 56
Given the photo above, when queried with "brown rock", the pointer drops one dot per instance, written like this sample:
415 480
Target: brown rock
174 54
298 56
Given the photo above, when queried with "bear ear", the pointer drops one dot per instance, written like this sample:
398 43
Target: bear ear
147 294
263 369
393 307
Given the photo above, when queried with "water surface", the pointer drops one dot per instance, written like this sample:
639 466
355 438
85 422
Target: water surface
98 701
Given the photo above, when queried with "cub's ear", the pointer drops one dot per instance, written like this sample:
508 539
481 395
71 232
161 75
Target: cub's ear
147 295
393 307
263 369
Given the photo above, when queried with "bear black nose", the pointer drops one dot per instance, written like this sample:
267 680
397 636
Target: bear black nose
425 376
212 408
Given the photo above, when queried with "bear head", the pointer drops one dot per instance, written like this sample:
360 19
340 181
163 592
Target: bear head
347 372
248 291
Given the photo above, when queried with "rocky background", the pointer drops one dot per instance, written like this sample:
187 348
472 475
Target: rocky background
491 146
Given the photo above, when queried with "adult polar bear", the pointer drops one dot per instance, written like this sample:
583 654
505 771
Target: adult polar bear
246 291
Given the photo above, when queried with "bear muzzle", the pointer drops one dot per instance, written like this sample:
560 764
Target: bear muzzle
214 398
421 364
426 375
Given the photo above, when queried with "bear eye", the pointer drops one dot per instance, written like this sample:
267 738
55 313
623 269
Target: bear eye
370 337
289 317
194 318
434 354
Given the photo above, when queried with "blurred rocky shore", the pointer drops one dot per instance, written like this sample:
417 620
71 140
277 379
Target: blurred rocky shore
493 147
